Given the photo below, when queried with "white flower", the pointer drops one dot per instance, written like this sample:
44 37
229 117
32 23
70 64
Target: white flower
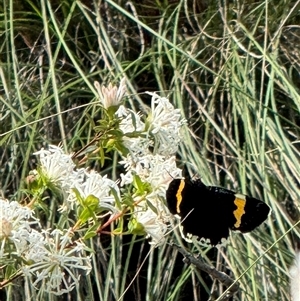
111 95
295 278
35 250
165 124
139 144
131 121
15 226
60 265
60 170
161 133
158 172
121 112
138 147
57 166
98 186
154 225
154 169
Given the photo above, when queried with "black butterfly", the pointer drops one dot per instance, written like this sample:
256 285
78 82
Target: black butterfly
208 212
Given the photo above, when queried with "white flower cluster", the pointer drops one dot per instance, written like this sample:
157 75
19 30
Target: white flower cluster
60 171
151 157
15 227
53 262
51 259
58 167
58 264
152 144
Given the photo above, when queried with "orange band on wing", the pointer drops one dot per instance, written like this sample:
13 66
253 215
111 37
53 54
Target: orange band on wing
240 203
179 195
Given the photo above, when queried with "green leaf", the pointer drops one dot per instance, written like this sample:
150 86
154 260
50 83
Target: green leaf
91 201
134 227
78 196
90 234
118 231
141 187
153 208
116 197
85 214
138 183
102 156
90 206
92 231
